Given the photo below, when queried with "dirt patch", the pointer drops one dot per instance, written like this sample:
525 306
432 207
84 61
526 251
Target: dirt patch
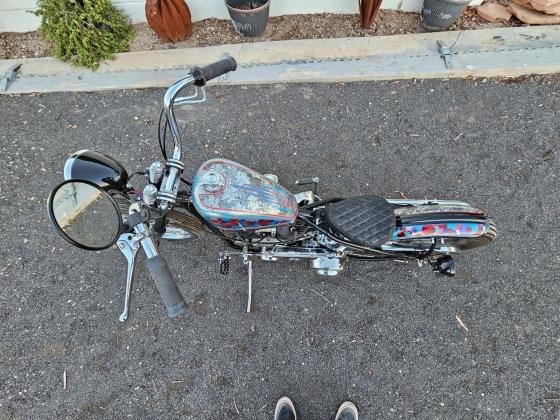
23 45
220 31
248 6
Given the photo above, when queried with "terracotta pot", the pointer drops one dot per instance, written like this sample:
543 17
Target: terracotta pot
169 19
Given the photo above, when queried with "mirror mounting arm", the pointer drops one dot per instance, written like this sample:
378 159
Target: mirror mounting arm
137 217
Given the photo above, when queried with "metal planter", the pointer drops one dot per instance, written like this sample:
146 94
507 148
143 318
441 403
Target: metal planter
438 15
251 22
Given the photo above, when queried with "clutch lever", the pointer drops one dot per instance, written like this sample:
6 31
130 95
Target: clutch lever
198 97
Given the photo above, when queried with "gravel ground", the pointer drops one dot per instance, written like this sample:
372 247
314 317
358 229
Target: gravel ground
219 31
385 336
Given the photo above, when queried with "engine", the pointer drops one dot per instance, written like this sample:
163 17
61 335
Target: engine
255 212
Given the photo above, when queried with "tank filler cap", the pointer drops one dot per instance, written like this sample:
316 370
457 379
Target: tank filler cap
213 182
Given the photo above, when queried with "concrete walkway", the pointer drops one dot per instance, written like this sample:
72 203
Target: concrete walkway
506 52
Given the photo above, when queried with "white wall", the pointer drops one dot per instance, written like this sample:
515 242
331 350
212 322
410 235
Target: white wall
15 15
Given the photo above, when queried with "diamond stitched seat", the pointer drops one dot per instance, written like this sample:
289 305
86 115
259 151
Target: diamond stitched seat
366 220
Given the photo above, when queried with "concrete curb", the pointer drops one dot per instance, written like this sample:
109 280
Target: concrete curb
506 52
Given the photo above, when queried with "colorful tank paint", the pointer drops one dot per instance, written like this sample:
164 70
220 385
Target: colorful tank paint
234 197
432 230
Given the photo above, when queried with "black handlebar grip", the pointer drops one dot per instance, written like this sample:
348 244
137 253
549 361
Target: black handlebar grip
211 71
168 290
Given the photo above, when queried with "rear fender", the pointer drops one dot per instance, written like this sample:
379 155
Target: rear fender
468 222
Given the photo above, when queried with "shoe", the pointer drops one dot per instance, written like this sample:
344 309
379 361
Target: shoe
347 411
285 410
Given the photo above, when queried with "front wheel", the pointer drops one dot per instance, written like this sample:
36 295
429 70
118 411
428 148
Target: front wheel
181 225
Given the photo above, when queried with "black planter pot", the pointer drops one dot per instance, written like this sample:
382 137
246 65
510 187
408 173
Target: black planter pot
250 22
438 15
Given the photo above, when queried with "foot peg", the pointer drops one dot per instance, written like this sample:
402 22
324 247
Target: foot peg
224 260
224 264
311 180
445 265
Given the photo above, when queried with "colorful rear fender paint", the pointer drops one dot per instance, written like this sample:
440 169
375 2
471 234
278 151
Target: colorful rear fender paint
431 230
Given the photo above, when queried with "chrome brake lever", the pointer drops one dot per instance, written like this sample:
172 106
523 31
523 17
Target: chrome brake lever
198 97
129 246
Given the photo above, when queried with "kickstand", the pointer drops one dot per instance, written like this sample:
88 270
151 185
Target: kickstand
247 261
129 247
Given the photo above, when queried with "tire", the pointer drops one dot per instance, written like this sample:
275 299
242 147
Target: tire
182 220
182 223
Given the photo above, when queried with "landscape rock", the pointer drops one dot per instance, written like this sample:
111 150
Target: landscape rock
524 3
546 3
532 17
493 12
553 9
535 5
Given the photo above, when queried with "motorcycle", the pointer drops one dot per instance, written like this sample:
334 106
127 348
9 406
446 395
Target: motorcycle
95 207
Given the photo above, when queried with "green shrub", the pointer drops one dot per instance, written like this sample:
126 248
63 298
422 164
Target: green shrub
84 31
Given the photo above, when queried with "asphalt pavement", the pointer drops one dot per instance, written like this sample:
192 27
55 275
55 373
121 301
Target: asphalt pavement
394 338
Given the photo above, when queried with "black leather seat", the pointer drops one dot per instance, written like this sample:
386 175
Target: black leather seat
367 220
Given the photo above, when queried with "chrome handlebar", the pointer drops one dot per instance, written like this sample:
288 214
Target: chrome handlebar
198 77
170 183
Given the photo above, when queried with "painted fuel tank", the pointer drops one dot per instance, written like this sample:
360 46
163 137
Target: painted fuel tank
234 197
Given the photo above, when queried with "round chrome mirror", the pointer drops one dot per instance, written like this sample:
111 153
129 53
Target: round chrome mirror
85 215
